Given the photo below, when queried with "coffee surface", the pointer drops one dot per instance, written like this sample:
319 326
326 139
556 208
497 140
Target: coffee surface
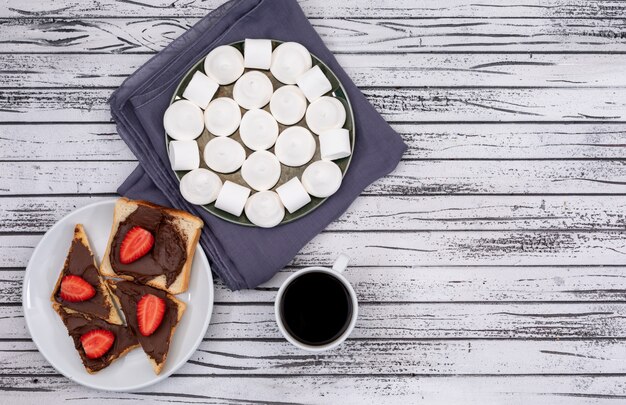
316 308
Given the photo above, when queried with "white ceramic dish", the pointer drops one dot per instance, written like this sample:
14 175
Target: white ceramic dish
133 371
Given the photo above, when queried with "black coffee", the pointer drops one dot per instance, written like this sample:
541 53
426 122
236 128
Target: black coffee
316 308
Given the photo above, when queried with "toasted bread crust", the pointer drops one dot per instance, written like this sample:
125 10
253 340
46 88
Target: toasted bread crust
182 281
114 316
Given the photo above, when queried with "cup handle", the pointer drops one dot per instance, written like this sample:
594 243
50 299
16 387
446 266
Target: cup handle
341 263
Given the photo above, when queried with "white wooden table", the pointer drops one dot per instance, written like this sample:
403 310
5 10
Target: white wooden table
489 266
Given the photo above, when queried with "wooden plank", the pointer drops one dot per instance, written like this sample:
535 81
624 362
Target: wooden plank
396 105
414 321
357 390
342 35
320 8
427 248
414 177
425 141
432 284
372 213
459 357
393 70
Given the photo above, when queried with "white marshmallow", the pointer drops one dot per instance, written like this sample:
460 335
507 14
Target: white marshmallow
264 209
288 105
314 84
183 121
257 53
322 178
222 116
200 186
335 144
293 195
200 90
325 113
295 146
261 170
258 130
224 64
184 155
232 198
253 90
289 61
224 155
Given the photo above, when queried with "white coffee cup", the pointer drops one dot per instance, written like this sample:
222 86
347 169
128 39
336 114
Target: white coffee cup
338 267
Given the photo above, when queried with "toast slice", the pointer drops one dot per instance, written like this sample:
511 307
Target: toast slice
167 265
80 262
157 345
78 324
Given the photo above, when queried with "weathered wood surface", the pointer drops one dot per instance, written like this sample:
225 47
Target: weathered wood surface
324 9
76 142
396 105
390 320
412 177
490 264
420 70
358 357
345 35
433 284
427 248
344 389
407 213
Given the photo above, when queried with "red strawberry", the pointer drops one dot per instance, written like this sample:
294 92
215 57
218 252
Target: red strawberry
76 289
150 311
135 245
97 342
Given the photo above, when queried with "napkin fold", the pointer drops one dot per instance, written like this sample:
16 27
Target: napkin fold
243 257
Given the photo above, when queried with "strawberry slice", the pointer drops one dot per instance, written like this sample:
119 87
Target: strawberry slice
97 342
76 289
150 312
136 244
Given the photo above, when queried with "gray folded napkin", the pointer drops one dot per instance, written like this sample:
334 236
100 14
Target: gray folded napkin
243 257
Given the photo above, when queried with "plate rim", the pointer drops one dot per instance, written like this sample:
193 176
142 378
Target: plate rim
350 110
157 378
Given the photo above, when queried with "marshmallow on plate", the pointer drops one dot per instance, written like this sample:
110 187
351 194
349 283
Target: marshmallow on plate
224 155
293 195
200 90
295 146
289 61
322 178
232 198
264 209
335 144
253 90
258 130
288 105
222 116
183 121
257 53
224 64
325 113
314 84
261 170
200 186
184 155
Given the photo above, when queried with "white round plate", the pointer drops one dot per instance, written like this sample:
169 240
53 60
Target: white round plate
132 371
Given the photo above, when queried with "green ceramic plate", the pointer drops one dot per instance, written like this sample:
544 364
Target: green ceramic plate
287 172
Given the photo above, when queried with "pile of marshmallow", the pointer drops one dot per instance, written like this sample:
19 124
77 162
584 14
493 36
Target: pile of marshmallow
185 120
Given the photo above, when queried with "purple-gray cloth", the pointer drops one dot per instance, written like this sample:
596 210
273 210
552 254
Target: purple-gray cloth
243 257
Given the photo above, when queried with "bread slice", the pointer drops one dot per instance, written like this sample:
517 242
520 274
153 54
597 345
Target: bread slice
78 324
129 294
80 261
188 226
